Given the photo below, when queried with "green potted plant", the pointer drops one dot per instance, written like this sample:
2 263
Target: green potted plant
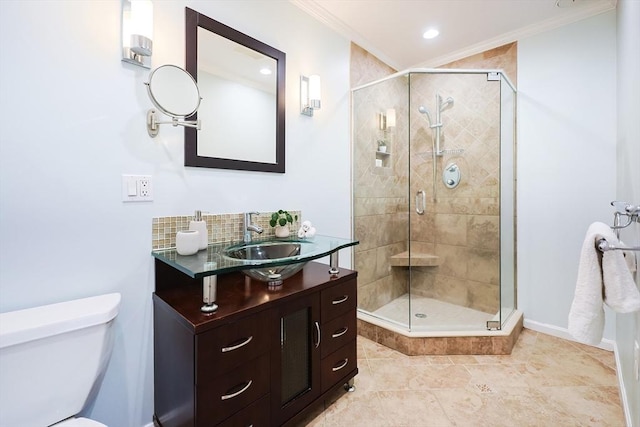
382 146
280 221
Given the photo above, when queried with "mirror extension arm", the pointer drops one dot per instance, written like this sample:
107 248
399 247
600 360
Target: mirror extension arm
153 127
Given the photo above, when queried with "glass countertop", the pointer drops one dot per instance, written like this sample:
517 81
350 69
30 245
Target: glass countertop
214 260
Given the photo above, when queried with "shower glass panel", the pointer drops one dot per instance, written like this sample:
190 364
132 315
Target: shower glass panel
381 198
434 212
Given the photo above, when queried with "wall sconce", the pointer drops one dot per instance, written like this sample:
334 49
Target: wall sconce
137 32
391 118
388 120
309 94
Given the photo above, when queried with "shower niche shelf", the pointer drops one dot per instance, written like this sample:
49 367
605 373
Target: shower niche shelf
416 259
382 159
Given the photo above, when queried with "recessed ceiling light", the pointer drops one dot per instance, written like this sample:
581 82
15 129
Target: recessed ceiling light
430 34
266 71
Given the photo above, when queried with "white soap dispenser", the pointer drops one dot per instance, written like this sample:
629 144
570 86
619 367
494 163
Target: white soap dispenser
199 225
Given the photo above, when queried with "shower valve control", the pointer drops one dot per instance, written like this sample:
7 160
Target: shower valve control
451 175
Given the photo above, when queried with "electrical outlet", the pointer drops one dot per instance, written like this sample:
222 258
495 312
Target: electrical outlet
145 187
137 188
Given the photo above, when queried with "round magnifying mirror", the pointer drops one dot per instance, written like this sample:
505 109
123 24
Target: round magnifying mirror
173 91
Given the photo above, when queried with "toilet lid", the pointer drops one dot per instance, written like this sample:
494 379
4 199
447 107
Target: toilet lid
79 422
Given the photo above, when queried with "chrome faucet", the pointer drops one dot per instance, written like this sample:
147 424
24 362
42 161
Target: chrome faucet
248 227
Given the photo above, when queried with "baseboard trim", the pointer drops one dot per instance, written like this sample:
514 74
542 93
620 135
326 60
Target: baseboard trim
621 388
563 333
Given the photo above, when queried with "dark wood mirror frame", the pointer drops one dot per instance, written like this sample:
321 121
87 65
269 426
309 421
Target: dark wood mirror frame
193 21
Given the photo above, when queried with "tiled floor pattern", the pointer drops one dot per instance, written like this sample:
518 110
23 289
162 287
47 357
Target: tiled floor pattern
439 315
546 381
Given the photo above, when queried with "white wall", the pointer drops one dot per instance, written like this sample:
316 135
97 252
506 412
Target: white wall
628 185
72 122
566 159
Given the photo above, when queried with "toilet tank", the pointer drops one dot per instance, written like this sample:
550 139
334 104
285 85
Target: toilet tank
51 358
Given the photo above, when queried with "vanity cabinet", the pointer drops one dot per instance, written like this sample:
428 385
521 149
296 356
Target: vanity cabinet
264 358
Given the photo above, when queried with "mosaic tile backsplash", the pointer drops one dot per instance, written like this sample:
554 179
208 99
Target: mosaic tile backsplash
221 227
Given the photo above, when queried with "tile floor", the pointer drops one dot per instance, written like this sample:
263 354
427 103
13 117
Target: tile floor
546 381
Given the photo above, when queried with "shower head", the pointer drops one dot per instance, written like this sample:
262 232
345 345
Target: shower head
423 110
446 104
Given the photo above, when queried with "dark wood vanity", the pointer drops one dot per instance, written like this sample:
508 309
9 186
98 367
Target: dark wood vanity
264 358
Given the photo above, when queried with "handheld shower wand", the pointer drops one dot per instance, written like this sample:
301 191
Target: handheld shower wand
423 110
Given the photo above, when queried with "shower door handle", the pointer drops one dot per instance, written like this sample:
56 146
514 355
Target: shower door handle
421 202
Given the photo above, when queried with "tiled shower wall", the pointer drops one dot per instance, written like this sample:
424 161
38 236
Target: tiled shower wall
221 227
461 225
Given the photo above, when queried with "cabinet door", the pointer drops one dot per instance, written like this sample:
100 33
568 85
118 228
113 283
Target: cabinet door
296 357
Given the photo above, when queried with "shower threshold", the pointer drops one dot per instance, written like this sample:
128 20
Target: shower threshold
441 342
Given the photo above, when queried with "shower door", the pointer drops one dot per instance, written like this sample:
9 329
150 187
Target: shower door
458 178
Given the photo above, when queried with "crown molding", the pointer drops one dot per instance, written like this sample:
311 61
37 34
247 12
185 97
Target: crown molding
521 33
318 12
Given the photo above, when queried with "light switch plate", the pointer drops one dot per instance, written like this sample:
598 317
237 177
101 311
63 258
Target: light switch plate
137 188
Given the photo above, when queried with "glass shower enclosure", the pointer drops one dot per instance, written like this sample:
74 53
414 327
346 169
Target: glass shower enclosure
434 199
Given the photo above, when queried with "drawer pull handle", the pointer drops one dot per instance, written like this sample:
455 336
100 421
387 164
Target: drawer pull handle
318 331
340 333
237 346
344 363
242 390
340 301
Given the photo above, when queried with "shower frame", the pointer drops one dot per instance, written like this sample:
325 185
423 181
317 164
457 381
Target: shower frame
506 198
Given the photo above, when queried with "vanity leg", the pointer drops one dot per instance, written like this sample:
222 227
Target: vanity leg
350 386
333 260
209 290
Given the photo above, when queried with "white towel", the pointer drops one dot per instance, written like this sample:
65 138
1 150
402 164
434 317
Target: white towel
630 259
586 317
620 290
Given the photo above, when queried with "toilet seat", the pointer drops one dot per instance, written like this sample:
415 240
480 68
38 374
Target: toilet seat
78 422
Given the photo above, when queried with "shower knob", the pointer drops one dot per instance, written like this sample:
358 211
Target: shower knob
451 175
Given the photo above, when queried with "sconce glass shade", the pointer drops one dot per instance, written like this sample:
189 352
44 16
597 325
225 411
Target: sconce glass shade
314 91
382 121
137 32
309 94
391 117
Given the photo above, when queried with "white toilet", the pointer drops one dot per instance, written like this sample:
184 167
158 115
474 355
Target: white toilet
51 360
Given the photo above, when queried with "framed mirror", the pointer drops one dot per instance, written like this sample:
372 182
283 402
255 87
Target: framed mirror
242 83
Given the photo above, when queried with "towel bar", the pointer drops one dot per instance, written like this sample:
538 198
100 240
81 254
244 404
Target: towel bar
603 246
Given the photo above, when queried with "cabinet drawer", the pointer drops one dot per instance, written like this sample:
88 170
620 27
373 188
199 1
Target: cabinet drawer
337 300
336 366
338 332
231 345
255 415
225 395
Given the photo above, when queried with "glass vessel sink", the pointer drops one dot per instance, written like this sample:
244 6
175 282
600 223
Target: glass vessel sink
271 252
261 257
